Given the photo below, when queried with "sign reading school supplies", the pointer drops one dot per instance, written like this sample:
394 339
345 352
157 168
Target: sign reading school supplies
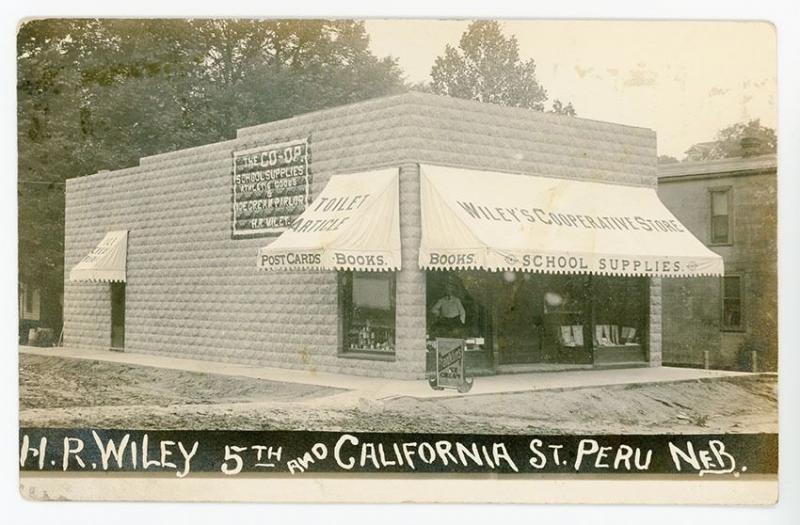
271 188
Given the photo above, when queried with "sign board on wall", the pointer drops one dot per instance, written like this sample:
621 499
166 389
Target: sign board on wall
271 188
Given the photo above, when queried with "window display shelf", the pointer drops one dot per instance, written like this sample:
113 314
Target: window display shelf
372 338
626 353
368 355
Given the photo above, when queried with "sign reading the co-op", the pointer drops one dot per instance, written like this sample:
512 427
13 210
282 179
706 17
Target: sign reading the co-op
271 188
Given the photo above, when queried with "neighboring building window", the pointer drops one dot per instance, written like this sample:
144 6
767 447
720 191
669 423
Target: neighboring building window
28 300
30 303
367 309
732 302
720 216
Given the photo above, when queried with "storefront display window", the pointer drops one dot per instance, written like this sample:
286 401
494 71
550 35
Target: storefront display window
367 306
541 319
620 318
564 308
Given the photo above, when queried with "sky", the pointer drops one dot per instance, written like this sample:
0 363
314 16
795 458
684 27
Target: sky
685 80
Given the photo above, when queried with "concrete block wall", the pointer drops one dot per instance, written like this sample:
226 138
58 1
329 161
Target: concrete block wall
411 284
193 291
654 354
461 133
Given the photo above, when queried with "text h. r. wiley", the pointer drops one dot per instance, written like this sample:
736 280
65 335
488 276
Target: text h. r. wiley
229 453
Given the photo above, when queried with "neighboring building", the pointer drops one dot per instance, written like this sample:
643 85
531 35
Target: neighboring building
345 240
29 309
731 205
40 310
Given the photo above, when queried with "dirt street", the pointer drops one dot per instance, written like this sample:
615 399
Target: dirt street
58 392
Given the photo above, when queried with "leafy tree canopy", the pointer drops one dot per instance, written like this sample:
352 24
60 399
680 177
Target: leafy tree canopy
487 67
562 109
100 94
728 142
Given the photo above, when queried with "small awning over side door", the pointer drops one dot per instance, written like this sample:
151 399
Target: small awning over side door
106 263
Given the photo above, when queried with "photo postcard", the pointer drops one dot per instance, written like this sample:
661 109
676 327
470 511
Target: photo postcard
397 260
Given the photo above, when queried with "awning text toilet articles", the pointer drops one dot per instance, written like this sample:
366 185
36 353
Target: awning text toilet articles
353 224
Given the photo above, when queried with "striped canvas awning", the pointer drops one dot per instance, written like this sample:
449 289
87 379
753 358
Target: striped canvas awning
106 263
498 221
354 224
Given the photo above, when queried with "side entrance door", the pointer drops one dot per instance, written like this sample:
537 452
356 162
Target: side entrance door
518 324
118 316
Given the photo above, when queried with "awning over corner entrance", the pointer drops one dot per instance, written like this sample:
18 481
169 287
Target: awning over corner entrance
354 224
499 221
106 263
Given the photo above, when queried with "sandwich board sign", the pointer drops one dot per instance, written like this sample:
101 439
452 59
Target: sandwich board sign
449 371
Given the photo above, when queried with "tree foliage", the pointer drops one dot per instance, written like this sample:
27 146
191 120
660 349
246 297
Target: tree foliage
728 141
487 67
100 94
562 109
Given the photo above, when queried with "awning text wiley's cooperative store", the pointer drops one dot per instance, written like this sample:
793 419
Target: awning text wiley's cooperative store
345 240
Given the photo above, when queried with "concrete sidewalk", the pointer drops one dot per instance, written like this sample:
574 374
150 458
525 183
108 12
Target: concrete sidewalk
378 388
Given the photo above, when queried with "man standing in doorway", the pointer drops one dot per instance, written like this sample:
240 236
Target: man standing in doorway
449 313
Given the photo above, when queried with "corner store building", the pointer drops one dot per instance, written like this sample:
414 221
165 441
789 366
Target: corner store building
192 287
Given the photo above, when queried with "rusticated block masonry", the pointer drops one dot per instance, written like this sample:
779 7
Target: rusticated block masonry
194 291
655 321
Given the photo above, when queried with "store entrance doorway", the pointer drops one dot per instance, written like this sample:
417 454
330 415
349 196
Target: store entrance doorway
518 313
541 319
458 306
